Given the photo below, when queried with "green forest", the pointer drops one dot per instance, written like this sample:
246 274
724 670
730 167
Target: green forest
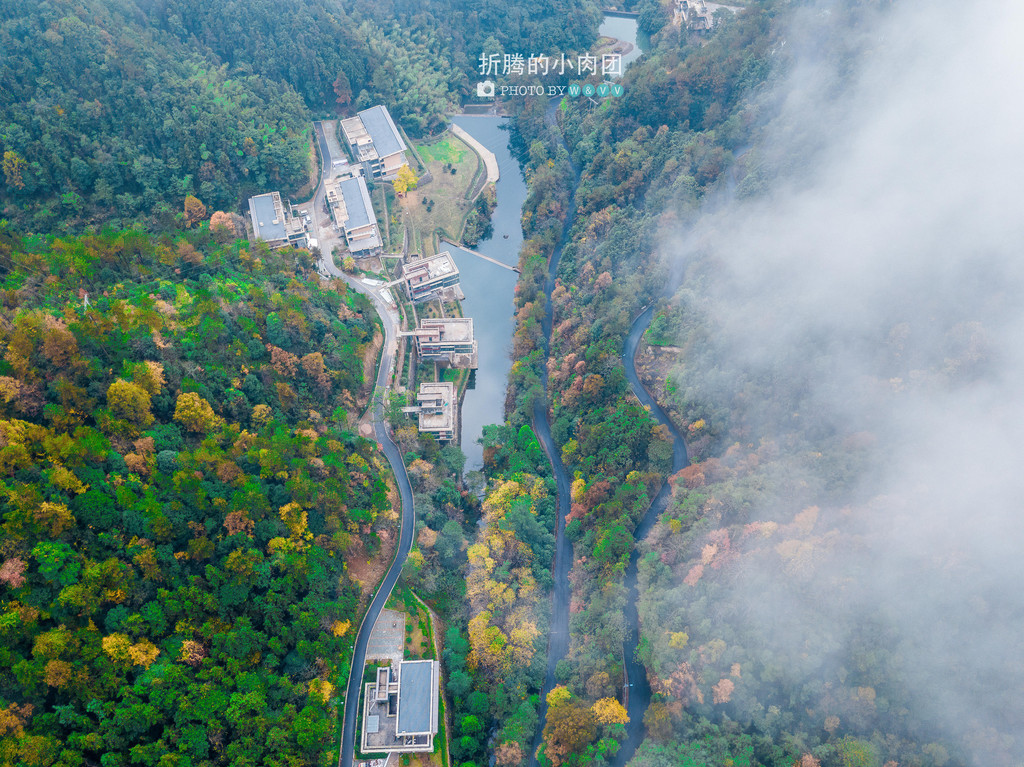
181 489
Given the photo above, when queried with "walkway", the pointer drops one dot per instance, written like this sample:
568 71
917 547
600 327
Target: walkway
481 255
490 161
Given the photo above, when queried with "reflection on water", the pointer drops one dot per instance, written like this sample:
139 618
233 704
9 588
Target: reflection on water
623 29
489 289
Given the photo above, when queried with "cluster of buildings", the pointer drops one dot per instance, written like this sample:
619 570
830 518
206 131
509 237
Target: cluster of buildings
697 15
378 149
449 341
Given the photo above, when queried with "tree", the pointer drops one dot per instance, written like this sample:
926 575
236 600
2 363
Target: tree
130 401
14 166
195 211
343 90
406 180
222 226
195 413
610 711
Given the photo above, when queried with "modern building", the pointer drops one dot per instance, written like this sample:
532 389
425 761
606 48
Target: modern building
695 15
436 407
375 141
350 206
426 277
273 224
447 340
400 710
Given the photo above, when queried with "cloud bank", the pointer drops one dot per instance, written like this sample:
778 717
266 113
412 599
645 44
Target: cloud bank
878 285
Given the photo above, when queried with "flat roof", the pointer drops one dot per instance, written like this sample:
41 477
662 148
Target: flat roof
266 224
357 202
373 724
385 136
415 689
453 328
435 266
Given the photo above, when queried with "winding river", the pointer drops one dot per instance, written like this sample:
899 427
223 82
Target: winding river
490 290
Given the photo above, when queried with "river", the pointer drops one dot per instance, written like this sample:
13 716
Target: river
490 289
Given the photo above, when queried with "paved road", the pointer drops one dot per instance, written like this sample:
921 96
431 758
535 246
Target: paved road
639 691
558 641
389 318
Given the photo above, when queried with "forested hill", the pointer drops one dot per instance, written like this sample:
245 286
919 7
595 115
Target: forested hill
111 112
104 117
180 490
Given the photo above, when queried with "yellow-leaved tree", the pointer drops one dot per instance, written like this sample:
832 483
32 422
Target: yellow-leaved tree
195 413
406 180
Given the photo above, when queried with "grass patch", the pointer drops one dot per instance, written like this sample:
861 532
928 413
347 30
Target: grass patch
441 205
447 150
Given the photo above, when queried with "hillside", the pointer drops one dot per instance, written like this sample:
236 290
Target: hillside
181 489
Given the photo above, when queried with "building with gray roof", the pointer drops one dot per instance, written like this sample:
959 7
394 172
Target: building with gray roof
400 708
273 224
375 141
350 205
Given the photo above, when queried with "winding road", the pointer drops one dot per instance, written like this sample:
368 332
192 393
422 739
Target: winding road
389 319
558 640
639 696
637 690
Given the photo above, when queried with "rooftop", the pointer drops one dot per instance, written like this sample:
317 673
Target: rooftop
267 215
451 329
357 202
436 266
385 136
372 134
414 697
436 402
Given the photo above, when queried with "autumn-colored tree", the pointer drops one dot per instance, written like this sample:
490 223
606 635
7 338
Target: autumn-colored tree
222 226
285 363
610 711
722 692
195 413
313 365
11 572
195 211
571 726
188 253
509 754
130 401
405 180
342 90
150 376
192 653
658 721
348 264
14 167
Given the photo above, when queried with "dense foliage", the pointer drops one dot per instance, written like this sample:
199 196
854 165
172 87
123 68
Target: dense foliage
104 117
180 493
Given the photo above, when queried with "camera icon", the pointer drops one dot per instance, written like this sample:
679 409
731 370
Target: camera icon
485 90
